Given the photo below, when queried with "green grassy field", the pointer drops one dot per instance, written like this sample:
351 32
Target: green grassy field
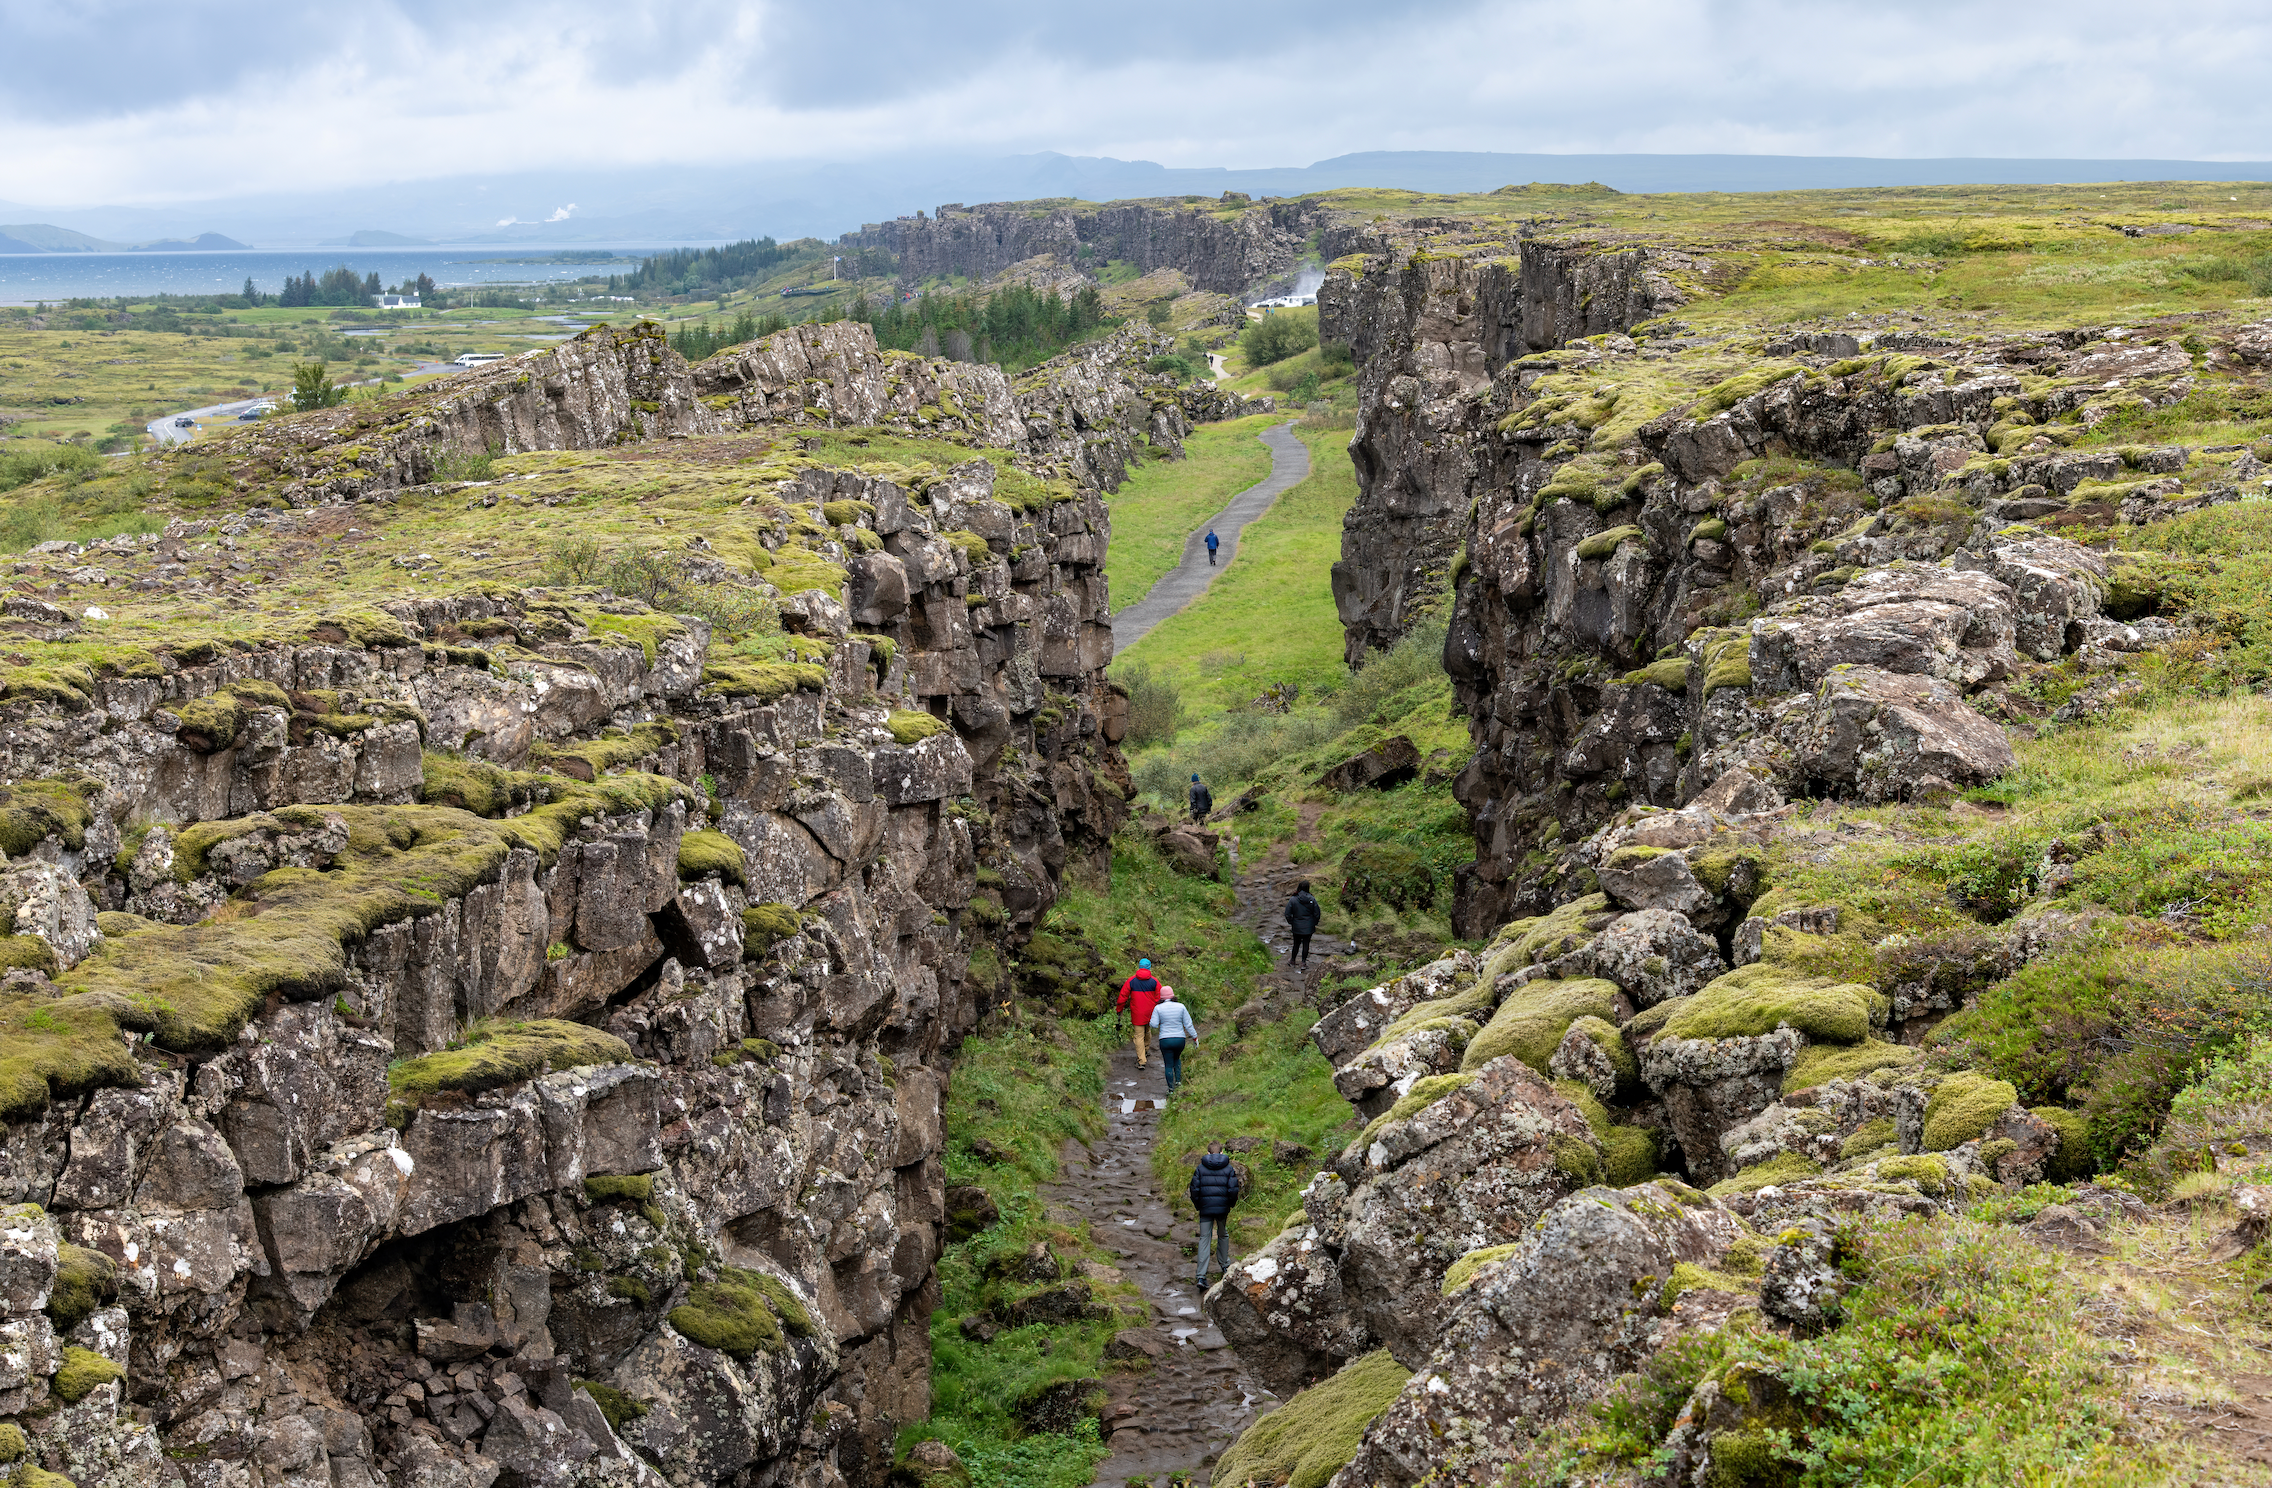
1270 617
1162 503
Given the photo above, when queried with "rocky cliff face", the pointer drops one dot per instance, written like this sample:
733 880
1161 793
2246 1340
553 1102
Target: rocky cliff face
1217 247
492 1038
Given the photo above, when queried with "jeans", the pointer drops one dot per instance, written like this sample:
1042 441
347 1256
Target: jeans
1210 557
1171 1056
1218 1228
1301 950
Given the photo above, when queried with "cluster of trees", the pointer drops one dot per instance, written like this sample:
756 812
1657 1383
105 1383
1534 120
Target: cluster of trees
698 341
1015 326
340 286
707 271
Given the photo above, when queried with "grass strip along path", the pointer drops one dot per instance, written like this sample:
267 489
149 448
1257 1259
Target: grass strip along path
1163 502
1289 466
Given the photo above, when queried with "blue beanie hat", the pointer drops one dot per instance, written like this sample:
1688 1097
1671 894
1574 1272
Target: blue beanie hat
1195 777
1141 961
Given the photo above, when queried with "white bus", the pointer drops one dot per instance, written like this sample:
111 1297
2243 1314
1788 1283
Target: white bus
478 358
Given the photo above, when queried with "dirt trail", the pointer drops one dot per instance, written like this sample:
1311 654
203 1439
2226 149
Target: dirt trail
1179 586
1195 1399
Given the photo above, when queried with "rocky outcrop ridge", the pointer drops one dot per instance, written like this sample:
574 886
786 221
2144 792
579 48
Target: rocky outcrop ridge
487 1038
1216 247
1078 417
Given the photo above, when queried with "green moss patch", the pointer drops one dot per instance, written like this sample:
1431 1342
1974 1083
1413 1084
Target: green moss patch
1422 1095
1671 674
911 727
1531 1022
703 853
2074 1159
632 1188
1819 1064
1602 544
763 924
1689 1277
1757 999
1304 1442
1963 1107
84 1371
1868 1138
12 1443
1930 1174
737 1314
1783 1167
1463 1270
619 1408
763 681
496 1055
36 810
85 1280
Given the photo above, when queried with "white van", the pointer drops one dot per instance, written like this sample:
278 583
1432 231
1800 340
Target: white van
478 358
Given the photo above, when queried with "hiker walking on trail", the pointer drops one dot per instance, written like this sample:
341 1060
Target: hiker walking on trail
1140 994
1212 541
1214 1189
1202 800
1173 1020
1302 915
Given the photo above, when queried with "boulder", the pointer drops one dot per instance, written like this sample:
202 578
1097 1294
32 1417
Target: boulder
1575 1304
1655 954
1888 738
42 901
1391 762
969 1210
2055 585
1282 1308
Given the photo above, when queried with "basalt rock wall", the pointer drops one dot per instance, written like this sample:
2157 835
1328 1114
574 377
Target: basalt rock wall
478 1042
1430 334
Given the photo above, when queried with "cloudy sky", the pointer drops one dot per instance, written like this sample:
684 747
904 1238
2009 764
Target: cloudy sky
132 101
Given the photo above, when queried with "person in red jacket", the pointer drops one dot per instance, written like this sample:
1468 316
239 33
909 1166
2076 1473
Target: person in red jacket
1140 994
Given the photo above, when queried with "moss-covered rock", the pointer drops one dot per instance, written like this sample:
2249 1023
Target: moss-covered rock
84 1371
1818 1064
1602 544
495 1055
764 924
763 681
742 1313
1867 1138
619 1408
1963 1107
2074 1158
1783 1167
1304 1442
1462 1271
703 853
912 728
1930 1174
85 1280
12 1443
35 810
1531 1022
1759 998
1422 1095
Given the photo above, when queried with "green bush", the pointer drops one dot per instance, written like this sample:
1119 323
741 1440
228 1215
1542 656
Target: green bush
22 466
1155 705
1388 874
1279 335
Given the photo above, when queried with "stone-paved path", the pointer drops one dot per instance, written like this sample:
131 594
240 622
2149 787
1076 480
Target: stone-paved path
1195 1399
1289 467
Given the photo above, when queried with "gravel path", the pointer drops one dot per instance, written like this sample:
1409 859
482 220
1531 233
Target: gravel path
1289 466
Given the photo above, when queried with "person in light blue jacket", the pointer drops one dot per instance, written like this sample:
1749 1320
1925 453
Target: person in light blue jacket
1171 1021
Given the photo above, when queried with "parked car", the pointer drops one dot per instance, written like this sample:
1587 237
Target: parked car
250 415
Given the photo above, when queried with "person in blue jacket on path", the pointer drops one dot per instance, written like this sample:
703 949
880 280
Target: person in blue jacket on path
1214 1189
1171 1020
1211 543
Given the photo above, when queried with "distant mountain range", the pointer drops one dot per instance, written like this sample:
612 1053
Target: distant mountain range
43 237
667 205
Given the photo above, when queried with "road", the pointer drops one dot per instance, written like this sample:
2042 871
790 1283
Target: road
1289 466
224 415
163 431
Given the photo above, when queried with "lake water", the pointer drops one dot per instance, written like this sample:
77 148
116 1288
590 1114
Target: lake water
27 278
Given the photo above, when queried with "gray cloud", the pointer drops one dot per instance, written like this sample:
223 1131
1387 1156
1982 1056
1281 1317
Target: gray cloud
127 93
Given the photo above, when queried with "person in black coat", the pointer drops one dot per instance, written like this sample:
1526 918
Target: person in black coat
1214 1189
1202 800
1302 915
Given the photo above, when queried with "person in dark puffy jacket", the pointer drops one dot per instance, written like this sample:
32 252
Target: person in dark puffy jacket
1302 915
1214 1189
1202 799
